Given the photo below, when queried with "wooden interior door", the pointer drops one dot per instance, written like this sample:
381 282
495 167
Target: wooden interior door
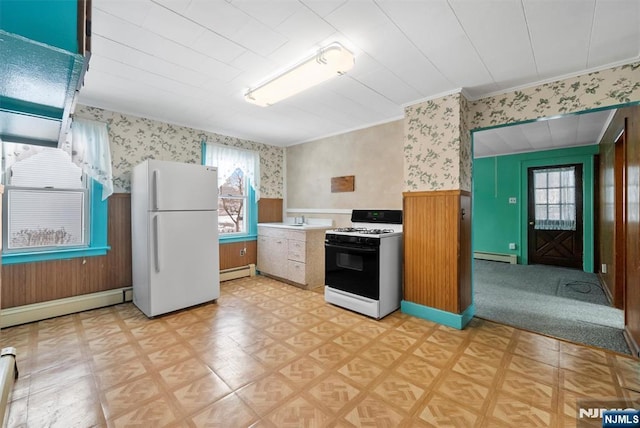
555 232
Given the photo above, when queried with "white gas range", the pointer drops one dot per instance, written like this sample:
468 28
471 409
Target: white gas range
363 263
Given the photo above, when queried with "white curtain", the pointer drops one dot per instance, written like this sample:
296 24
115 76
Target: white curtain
229 159
90 151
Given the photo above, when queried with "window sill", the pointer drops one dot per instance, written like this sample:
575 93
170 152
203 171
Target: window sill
236 238
40 256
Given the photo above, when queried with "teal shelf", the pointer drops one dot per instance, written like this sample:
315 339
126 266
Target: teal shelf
38 83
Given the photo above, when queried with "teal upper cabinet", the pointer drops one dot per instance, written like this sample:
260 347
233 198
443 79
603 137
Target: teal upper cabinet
53 23
44 46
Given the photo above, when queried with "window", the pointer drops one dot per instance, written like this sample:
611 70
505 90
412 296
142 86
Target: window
555 198
46 199
52 209
237 172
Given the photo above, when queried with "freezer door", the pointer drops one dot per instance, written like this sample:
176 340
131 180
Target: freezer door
175 186
184 260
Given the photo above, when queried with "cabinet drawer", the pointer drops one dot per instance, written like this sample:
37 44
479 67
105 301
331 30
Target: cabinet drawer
296 250
272 231
296 272
298 235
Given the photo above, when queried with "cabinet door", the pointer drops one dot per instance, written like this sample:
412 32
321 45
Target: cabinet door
272 255
296 272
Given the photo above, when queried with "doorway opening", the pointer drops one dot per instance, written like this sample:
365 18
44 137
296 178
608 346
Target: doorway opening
548 224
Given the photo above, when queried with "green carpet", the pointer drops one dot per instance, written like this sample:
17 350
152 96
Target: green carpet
560 302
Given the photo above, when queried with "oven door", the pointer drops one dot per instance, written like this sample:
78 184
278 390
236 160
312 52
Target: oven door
353 268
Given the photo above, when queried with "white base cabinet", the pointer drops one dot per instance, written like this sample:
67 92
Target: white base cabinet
295 256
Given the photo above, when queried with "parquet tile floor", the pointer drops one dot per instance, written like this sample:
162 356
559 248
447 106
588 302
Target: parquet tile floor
269 354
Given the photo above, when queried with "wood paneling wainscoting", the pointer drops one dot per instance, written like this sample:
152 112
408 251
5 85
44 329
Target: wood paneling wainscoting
270 210
437 249
230 254
28 283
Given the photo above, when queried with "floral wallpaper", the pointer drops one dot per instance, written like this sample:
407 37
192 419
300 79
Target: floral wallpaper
617 85
432 155
466 154
437 147
134 139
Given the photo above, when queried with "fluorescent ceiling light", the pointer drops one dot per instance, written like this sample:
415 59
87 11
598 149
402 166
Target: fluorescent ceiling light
330 61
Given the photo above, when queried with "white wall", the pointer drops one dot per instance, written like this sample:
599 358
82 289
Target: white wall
373 155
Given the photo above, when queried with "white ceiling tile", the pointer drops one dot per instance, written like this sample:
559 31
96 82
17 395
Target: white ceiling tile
134 11
391 48
116 51
560 34
213 68
388 85
218 16
366 98
435 30
138 76
323 7
178 6
616 24
215 46
306 26
563 132
269 13
499 33
360 22
171 25
259 38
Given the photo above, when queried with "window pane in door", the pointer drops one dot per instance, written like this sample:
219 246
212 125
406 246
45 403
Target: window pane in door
541 196
540 179
569 212
554 179
541 212
554 196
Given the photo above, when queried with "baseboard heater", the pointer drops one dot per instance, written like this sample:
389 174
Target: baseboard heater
8 375
70 305
496 257
237 272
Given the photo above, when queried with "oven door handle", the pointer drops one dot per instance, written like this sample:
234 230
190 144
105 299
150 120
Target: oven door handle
354 249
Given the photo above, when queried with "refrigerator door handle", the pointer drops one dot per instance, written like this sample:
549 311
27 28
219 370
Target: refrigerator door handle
156 244
156 177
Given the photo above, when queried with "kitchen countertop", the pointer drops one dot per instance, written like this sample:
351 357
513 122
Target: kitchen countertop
292 226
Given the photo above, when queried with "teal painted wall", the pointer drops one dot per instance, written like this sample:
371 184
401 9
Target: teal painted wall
496 223
54 23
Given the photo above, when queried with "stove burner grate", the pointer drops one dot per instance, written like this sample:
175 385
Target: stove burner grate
364 230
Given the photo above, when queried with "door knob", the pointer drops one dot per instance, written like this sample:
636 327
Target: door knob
531 223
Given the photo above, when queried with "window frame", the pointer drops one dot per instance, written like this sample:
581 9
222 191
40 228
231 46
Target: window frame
251 220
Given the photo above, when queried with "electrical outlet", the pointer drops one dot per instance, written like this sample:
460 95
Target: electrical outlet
512 200
512 245
603 269
243 251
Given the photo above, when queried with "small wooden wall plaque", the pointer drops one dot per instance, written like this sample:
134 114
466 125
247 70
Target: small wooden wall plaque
343 184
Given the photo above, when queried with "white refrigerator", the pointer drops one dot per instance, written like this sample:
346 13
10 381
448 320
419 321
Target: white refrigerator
174 231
